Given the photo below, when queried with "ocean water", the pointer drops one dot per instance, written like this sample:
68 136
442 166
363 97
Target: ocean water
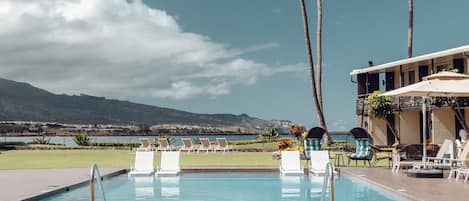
68 140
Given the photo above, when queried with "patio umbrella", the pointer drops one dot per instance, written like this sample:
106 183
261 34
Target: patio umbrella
443 84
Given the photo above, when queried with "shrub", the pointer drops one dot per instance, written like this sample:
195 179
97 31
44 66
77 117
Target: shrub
82 140
284 143
245 142
12 143
41 140
114 144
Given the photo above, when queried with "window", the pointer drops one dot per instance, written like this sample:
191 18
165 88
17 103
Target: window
411 77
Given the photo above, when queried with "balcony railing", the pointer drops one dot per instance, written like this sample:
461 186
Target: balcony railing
407 103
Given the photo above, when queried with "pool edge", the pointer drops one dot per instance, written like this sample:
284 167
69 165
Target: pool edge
384 187
72 186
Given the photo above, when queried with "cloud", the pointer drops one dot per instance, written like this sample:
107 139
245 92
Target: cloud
119 48
341 125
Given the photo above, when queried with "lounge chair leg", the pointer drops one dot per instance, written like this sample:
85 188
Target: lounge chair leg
356 163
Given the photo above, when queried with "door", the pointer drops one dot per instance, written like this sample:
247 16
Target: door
389 81
459 64
423 71
458 125
389 135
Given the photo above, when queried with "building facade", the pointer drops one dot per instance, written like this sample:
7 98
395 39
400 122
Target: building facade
407 115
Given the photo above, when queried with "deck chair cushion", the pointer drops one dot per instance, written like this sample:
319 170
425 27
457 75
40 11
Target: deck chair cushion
363 150
311 144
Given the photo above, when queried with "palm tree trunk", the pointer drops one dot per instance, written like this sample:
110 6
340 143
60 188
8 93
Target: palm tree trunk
319 51
319 63
319 110
393 131
411 29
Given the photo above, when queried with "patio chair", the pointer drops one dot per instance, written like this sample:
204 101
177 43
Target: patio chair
290 163
169 164
319 160
164 145
205 145
143 163
397 163
187 145
145 145
313 140
222 145
363 152
443 157
381 154
459 165
311 144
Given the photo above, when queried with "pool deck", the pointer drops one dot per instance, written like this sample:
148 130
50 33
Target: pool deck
412 188
23 184
27 184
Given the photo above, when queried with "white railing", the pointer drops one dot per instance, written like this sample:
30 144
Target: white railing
328 179
95 176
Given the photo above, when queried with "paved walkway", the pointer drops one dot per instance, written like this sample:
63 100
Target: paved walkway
413 188
20 184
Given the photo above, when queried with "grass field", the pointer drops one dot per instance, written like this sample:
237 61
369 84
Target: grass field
34 159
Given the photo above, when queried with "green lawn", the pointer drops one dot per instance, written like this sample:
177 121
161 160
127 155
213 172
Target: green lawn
270 145
34 159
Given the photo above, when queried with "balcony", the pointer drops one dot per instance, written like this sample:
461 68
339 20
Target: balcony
407 104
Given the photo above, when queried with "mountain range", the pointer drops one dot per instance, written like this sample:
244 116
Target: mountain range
24 102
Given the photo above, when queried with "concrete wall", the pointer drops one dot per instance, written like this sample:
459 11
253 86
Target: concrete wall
377 130
409 127
443 125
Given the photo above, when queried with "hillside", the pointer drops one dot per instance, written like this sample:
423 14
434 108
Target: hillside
21 101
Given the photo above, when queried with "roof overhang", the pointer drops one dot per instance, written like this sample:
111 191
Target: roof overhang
382 67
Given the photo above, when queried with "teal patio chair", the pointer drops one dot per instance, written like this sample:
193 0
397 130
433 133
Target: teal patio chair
311 144
363 152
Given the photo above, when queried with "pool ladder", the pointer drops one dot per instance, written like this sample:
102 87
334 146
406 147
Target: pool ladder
95 176
328 178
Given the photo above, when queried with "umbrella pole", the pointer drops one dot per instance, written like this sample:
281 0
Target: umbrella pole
424 131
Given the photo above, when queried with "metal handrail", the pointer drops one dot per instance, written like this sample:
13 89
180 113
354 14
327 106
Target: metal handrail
328 178
95 175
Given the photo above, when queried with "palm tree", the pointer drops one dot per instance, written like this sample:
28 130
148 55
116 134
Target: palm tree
411 29
319 50
317 102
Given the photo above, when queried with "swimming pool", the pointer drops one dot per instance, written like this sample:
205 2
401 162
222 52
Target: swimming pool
226 187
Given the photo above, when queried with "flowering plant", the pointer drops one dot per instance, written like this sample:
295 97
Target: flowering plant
284 143
297 130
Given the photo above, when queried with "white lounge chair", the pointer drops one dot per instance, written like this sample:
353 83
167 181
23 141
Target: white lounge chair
222 145
143 163
187 145
145 145
205 145
459 165
458 147
169 164
441 160
444 155
291 163
319 160
164 145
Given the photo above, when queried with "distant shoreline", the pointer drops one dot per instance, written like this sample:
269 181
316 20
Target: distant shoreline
114 135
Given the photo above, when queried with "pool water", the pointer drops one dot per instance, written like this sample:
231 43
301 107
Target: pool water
226 187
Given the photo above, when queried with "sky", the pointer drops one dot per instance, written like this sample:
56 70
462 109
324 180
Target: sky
212 56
